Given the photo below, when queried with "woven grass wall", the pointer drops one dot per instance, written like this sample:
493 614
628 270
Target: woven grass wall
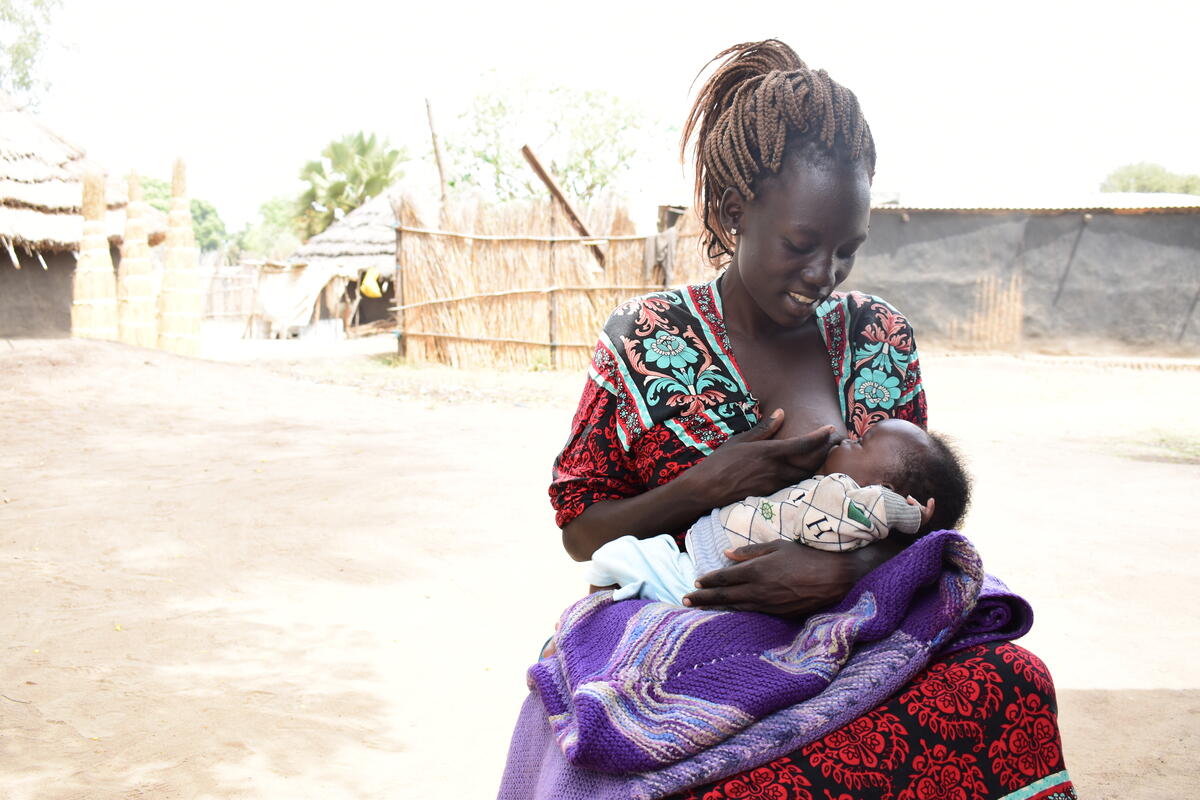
519 291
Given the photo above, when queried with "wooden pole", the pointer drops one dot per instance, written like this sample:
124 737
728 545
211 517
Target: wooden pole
398 283
557 194
1062 281
253 305
552 303
1188 317
522 237
437 156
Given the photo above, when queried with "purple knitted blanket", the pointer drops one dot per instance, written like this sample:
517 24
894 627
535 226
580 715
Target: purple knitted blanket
644 699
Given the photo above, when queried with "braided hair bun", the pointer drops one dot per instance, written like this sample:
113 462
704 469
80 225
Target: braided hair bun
761 103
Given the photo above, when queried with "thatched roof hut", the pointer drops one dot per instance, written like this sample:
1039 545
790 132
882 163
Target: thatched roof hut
41 188
328 266
41 223
363 239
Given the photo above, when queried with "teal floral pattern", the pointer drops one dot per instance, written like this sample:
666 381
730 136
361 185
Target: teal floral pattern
668 351
887 342
686 377
877 389
883 373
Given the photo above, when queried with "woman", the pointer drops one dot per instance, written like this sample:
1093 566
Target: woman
668 428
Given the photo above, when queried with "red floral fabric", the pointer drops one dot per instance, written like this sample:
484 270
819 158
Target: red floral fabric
975 725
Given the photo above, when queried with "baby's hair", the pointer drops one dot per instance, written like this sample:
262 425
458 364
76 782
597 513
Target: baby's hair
760 104
937 471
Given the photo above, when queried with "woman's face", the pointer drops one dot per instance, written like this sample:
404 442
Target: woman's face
796 241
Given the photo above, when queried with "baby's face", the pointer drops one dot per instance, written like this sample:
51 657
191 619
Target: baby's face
879 454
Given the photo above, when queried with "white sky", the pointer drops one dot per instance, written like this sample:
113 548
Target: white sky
964 98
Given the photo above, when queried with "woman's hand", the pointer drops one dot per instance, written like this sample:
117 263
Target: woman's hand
786 579
751 463
756 463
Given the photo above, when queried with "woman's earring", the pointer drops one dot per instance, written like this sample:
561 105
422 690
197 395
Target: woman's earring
733 231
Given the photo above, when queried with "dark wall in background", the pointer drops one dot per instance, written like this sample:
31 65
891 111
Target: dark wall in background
36 302
1134 277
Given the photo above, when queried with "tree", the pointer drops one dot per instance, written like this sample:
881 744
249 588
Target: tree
350 172
588 139
485 154
1146 177
596 140
274 233
23 25
206 222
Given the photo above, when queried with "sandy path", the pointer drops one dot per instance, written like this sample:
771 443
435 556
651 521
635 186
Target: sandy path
224 580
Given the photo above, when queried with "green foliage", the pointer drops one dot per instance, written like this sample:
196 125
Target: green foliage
156 192
486 154
23 25
274 233
596 145
206 222
209 227
350 172
587 139
1146 177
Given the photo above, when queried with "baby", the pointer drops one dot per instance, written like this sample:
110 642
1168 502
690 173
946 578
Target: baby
896 477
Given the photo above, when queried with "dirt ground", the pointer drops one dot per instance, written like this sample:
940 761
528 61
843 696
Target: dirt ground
324 577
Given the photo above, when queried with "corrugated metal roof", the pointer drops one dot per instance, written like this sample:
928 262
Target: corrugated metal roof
1112 202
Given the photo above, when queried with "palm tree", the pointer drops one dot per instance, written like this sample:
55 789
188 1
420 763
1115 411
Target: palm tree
350 172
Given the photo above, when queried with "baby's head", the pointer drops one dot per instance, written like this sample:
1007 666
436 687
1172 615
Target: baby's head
911 462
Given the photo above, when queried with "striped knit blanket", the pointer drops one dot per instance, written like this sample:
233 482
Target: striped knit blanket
644 699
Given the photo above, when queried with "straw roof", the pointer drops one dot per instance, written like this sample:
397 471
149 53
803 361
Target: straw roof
41 187
364 238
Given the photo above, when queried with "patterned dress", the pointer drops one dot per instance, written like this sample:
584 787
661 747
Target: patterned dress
663 391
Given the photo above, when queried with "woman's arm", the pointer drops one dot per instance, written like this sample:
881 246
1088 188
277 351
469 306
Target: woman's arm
751 463
788 579
668 507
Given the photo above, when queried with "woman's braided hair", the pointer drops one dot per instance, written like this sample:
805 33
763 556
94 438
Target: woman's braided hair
760 104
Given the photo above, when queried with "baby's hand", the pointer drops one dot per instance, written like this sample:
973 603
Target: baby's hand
926 510
551 646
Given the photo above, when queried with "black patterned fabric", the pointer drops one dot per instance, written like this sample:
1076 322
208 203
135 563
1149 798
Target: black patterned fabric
980 724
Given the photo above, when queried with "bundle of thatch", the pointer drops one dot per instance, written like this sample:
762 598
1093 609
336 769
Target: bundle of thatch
136 306
94 308
40 188
180 303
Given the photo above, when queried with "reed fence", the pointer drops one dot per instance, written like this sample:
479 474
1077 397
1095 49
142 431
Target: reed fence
519 300
232 292
995 321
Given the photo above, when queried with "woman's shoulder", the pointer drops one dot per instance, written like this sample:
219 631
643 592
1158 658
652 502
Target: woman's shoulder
857 302
669 310
858 311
